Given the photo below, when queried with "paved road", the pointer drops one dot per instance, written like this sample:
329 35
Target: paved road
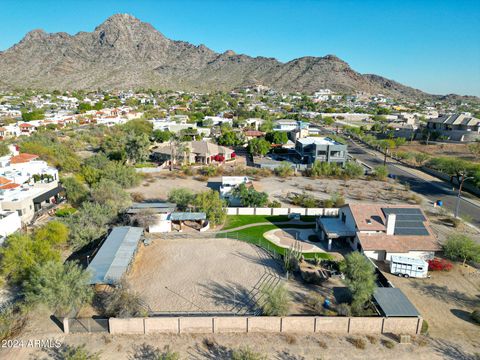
431 190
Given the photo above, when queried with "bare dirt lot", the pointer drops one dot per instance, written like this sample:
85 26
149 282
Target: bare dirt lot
454 150
201 275
445 301
157 188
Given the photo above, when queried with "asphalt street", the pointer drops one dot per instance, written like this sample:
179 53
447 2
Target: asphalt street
432 191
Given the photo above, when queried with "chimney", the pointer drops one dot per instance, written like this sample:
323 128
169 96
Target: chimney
391 223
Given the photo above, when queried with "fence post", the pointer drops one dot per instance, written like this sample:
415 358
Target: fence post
66 326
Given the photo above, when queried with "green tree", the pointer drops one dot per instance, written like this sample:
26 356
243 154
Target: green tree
109 193
360 278
266 126
162 136
89 223
461 247
138 127
328 120
37 114
230 138
75 190
4 149
249 197
52 233
137 148
210 203
22 252
277 137
386 146
182 197
62 288
258 147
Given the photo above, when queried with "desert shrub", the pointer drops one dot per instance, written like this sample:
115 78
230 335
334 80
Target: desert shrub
437 264
315 302
123 303
290 339
424 330
209 170
276 301
13 319
69 352
275 204
475 315
65 212
380 172
389 344
137 197
359 343
461 247
246 353
284 170
343 309
372 339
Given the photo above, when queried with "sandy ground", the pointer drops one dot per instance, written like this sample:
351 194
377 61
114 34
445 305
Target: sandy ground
201 275
157 188
446 300
219 346
455 150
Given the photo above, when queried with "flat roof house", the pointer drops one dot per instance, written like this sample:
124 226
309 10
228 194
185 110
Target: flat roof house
458 127
324 149
381 231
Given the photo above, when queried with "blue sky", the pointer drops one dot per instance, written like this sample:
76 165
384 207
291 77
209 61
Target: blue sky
432 45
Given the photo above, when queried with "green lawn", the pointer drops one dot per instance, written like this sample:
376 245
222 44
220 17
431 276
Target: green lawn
234 221
254 235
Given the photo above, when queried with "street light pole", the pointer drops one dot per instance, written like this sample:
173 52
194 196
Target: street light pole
459 195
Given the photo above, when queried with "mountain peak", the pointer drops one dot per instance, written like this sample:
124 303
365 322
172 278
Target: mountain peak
35 34
123 52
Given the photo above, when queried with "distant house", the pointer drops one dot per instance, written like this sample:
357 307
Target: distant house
381 231
253 134
457 127
200 152
229 183
324 149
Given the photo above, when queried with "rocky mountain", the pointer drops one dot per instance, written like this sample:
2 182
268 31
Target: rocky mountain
124 53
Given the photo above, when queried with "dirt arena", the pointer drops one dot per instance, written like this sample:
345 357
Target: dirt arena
201 275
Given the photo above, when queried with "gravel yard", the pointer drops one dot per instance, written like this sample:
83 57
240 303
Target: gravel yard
445 301
157 187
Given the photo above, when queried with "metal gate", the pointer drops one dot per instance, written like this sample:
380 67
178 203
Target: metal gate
86 325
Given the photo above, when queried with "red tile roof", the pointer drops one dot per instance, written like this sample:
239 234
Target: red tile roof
4 181
23 158
9 186
25 125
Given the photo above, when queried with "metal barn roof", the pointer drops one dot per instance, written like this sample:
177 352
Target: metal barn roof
115 255
156 207
185 216
393 303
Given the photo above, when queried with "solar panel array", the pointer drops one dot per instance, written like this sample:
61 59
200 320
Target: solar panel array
409 221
